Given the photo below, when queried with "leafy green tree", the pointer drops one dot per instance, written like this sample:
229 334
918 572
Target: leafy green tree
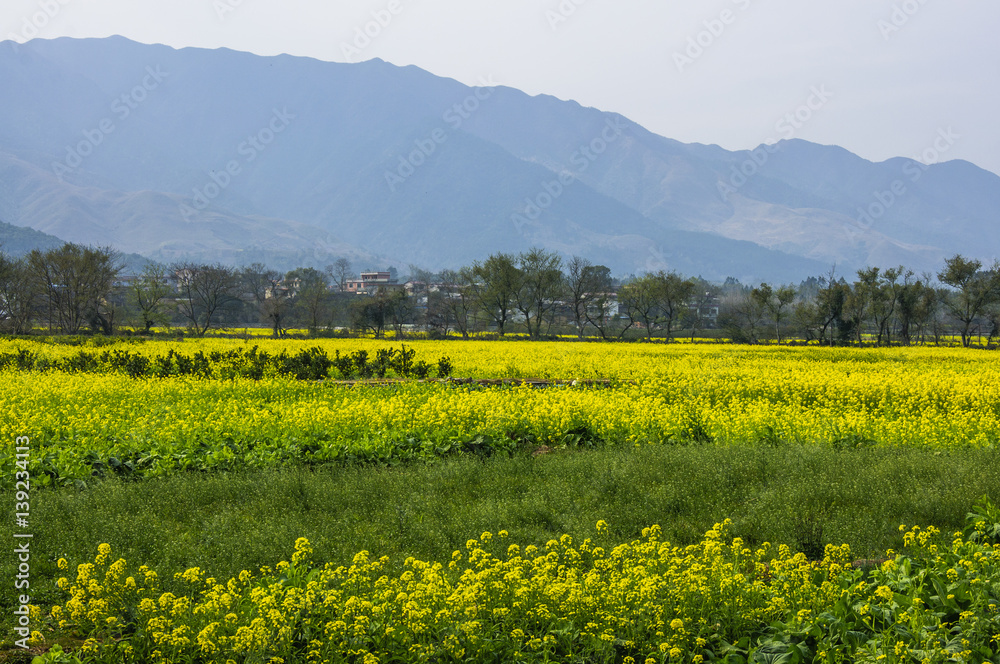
370 313
918 304
148 294
975 290
743 312
673 294
657 300
778 305
805 319
831 300
541 285
638 298
857 305
881 289
497 282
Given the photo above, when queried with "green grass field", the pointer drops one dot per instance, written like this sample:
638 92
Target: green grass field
804 497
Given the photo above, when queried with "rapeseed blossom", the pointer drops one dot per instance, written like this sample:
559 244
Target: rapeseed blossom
646 600
723 395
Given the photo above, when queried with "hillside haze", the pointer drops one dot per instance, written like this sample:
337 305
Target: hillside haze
222 155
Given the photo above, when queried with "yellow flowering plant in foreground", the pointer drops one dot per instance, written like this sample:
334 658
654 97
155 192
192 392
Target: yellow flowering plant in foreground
594 601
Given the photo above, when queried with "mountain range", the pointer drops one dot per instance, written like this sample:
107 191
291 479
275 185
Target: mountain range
218 155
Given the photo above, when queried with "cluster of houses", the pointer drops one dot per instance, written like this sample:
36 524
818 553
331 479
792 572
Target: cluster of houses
371 282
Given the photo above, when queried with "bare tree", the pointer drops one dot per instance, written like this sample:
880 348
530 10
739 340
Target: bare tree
438 315
269 293
340 271
205 290
312 297
400 310
743 313
603 314
17 295
703 296
638 299
459 298
76 282
585 284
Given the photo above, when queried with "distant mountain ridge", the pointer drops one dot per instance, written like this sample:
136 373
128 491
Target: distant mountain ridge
16 241
222 155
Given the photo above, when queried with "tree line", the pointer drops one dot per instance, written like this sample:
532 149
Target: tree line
75 288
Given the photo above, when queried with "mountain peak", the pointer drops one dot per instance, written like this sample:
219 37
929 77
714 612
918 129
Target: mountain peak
379 160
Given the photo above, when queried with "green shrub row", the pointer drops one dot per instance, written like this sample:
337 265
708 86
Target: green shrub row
255 364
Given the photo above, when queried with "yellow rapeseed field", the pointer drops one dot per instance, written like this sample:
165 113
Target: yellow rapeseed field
673 394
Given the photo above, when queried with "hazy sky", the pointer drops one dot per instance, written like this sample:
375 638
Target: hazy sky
878 77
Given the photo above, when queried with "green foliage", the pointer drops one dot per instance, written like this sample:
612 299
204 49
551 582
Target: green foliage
56 655
983 522
255 364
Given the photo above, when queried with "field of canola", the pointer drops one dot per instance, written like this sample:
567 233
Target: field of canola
598 600
81 423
